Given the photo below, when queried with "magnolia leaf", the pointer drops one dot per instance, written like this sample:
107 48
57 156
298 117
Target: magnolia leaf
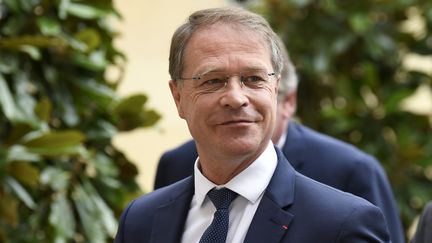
56 139
21 192
21 153
9 209
48 26
43 109
107 216
55 178
102 130
131 104
25 173
85 11
59 151
32 51
90 37
95 61
88 214
99 92
7 102
62 217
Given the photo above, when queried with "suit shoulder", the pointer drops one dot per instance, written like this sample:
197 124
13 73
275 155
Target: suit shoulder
331 207
187 149
147 203
326 147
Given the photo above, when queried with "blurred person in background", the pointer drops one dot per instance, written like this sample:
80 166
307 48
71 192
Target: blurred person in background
423 233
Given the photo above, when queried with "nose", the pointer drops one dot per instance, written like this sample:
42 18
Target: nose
234 96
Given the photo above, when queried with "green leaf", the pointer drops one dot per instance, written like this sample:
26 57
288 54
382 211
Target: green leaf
21 192
96 61
9 210
100 92
55 178
35 41
107 216
131 104
7 102
62 218
25 173
393 102
105 165
88 214
63 6
48 26
90 37
103 130
85 11
33 52
21 153
56 139
43 109
59 151
360 23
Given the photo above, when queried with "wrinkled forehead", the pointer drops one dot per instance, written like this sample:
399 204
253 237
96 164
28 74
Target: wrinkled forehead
225 39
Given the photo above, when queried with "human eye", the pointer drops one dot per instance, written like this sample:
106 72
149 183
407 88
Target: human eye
254 79
211 82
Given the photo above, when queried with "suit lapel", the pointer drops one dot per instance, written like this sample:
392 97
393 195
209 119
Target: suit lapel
170 218
271 221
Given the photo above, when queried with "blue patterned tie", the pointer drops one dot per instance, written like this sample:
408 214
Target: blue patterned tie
218 229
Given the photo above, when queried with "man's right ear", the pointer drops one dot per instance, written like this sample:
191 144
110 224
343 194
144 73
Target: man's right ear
176 94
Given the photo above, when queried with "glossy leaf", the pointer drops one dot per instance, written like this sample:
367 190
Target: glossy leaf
56 139
21 153
7 102
56 178
48 26
85 11
21 192
25 173
62 218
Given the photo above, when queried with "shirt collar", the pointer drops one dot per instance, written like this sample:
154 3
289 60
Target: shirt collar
258 174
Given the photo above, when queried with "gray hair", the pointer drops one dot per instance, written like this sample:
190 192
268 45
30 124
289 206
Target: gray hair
289 79
211 16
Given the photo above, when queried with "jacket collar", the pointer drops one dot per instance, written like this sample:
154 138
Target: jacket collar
170 218
271 221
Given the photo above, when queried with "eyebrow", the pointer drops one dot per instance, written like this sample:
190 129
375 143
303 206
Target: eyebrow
211 70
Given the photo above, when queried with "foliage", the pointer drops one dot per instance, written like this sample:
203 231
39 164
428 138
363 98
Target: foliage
61 180
349 55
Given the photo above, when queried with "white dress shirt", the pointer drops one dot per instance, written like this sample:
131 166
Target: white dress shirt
250 185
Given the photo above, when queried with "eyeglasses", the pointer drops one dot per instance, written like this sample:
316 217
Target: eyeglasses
215 81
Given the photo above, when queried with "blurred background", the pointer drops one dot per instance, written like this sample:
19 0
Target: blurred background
86 112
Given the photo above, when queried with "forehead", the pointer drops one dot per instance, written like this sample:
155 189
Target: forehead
223 46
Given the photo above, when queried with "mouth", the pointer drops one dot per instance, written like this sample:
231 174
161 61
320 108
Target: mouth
237 122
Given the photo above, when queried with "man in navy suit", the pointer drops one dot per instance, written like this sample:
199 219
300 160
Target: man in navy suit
318 156
423 232
225 66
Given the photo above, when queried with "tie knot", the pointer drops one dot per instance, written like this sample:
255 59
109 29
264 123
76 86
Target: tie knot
221 198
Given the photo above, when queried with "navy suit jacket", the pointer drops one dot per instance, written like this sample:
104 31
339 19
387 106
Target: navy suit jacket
294 208
424 228
318 156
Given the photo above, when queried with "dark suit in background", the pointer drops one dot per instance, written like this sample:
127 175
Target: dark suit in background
317 156
424 228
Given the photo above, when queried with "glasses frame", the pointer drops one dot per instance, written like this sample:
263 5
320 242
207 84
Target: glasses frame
227 77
